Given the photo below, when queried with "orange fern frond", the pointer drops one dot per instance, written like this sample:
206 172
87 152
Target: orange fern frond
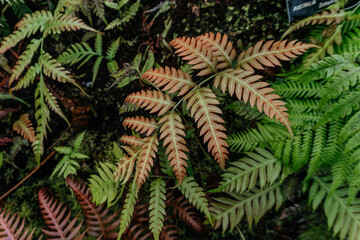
146 159
172 131
155 101
24 127
56 218
170 79
125 165
247 88
97 219
141 124
202 102
221 48
328 17
199 55
270 53
10 229
132 141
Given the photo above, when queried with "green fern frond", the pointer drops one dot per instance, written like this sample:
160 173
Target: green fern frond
27 26
61 23
259 166
96 68
343 219
342 108
55 70
68 164
245 110
229 211
4 63
125 17
102 185
98 44
341 170
302 105
249 139
25 59
196 196
99 9
157 206
28 77
75 53
297 89
128 209
112 50
53 104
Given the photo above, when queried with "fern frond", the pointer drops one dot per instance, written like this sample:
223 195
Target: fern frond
202 104
96 67
98 221
24 127
27 26
56 218
55 70
249 139
126 17
244 174
327 16
155 101
102 185
198 54
28 78
61 23
157 206
172 131
10 229
128 209
297 89
343 219
350 128
53 104
245 110
132 141
170 79
342 108
268 54
75 53
112 50
141 124
247 87
221 48
228 211
24 59
125 165
99 9
196 195
146 159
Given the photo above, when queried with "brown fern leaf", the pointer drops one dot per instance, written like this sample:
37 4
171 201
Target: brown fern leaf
169 232
221 48
125 165
56 218
187 214
199 55
172 131
24 127
170 79
10 229
132 141
140 211
97 220
137 232
328 17
155 101
146 159
270 53
247 88
141 124
202 102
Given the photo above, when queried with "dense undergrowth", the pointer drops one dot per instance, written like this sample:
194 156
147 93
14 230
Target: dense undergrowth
183 120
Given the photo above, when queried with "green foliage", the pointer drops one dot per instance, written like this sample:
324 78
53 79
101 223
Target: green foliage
128 209
68 164
196 196
82 52
126 12
102 185
157 206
